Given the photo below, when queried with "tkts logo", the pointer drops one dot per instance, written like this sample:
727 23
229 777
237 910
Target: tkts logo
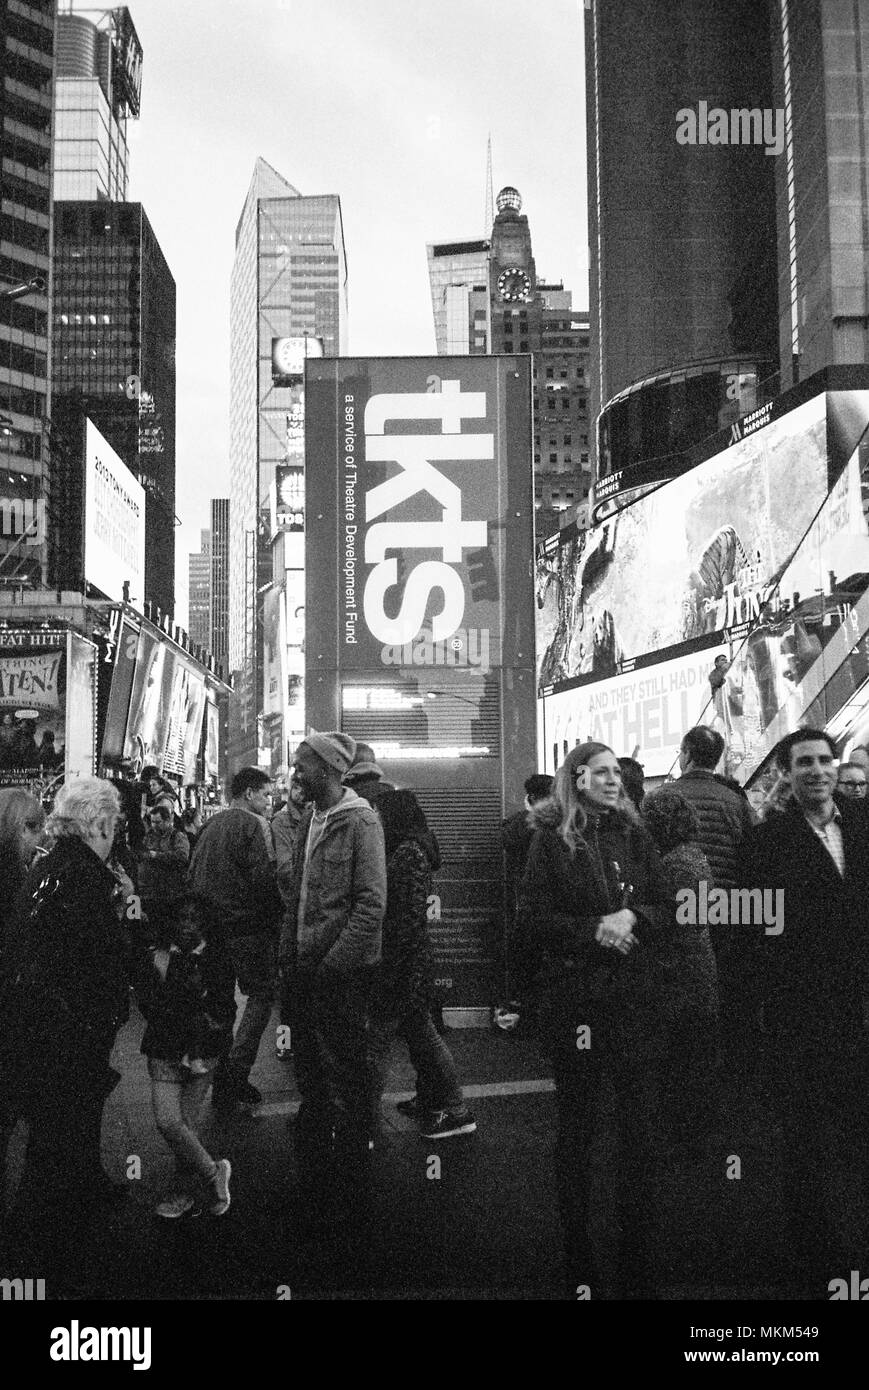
418 457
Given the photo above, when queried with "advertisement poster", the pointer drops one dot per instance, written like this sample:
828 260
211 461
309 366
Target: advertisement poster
32 707
693 558
212 741
114 545
647 710
150 702
184 729
80 706
807 655
122 675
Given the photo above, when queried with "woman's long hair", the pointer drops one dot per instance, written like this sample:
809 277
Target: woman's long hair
17 807
571 806
402 818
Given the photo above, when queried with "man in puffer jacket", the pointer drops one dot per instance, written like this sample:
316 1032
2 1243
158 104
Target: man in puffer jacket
329 945
725 818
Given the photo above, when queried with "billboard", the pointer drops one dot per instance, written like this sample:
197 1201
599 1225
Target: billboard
114 540
123 670
289 506
417 454
47 706
150 701
419 615
808 653
647 710
184 723
693 558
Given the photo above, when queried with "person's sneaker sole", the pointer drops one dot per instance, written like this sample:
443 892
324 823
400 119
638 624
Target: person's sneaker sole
460 1127
174 1211
221 1205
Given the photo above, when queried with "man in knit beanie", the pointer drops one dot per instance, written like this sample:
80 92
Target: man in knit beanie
330 943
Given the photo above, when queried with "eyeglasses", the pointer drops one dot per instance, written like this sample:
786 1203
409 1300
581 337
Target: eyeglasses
857 788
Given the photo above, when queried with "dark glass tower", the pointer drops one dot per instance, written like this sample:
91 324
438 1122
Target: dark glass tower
681 231
26 67
114 357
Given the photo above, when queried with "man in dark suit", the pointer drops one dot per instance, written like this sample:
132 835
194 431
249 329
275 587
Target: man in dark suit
812 966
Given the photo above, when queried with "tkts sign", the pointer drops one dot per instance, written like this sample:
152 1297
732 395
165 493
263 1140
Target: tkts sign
420 532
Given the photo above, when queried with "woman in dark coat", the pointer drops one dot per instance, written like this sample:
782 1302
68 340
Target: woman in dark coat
691 998
596 899
402 994
66 996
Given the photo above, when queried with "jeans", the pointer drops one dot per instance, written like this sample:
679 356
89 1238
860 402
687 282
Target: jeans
178 1097
437 1081
255 961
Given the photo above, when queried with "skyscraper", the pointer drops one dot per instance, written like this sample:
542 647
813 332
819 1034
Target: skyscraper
681 226
288 300
528 315
218 620
822 88
26 66
486 298
459 278
97 89
199 592
114 357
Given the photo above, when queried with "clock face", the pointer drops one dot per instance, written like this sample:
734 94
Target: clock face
514 284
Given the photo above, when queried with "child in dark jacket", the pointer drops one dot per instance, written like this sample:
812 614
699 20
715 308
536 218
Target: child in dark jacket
185 986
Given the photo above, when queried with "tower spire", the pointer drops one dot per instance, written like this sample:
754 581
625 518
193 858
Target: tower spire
490 199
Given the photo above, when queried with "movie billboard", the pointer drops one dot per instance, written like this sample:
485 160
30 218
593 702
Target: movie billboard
118 708
642 713
150 702
693 558
32 705
80 724
184 724
808 653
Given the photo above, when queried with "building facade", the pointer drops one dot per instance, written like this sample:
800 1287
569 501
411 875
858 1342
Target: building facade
26 70
822 88
114 357
97 89
681 214
218 617
288 300
458 273
199 593
528 315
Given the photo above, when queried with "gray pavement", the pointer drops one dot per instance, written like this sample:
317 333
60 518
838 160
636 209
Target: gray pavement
480 1223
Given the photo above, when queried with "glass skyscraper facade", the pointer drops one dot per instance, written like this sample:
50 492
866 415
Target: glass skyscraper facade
288 296
458 273
96 91
114 358
26 68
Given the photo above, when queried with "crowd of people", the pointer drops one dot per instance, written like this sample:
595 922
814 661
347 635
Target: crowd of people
663 948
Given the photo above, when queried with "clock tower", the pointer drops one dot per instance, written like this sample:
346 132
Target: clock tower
512 274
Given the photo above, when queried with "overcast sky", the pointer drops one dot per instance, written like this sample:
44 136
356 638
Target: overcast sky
387 103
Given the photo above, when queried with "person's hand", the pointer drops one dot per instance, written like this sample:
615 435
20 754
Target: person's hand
616 930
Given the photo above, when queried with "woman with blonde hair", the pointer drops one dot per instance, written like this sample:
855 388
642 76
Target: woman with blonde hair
66 996
595 896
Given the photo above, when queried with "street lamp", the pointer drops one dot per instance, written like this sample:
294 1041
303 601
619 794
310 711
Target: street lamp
19 289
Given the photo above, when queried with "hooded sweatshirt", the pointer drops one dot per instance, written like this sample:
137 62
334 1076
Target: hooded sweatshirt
336 897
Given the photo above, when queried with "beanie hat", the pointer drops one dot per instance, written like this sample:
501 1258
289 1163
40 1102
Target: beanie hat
363 764
336 749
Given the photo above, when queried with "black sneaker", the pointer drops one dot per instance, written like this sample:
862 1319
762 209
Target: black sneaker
409 1107
443 1124
246 1094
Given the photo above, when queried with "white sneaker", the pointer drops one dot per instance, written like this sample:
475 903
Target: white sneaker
175 1206
220 1187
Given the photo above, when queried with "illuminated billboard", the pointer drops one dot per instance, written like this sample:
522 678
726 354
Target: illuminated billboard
693 558
416 456
114 538
47 706
643 713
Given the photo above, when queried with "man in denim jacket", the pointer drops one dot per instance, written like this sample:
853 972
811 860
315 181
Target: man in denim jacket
330 945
